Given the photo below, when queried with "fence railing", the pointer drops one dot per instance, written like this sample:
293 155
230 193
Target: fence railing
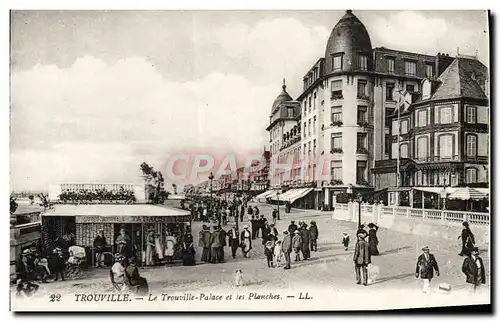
475 218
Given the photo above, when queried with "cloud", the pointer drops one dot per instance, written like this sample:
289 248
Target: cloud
276 48
413 31
97 120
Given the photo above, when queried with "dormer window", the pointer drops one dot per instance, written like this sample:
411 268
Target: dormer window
429 70
337 62
410 68
363 62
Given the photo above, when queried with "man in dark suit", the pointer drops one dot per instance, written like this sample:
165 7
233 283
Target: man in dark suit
473 269
361 259
426 264
233 240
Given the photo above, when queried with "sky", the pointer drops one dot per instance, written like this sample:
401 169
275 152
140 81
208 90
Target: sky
96 93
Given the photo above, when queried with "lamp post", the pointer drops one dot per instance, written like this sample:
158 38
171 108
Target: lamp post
444 195
211 177
278 198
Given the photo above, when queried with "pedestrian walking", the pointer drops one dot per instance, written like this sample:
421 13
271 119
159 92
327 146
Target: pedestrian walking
473 268
222 238
345 241
246 241
215 246
261 222
468 240
313 231
426 264
306 241
373 239
253 222
274 215
277 254
204 243
234 240
292 227
256 210
297 244
286 247
361 259
269 252
242 214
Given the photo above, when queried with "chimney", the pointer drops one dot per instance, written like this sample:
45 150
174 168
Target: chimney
442 62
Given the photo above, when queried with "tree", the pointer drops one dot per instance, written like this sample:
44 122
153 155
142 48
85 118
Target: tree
154 184
44 202
32 199
13 204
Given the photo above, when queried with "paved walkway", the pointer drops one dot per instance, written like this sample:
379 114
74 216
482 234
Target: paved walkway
330 268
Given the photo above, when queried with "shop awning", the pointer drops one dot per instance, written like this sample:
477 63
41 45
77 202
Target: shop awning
293 194
467 193
119 213
264 195
436 190
285 196
302 193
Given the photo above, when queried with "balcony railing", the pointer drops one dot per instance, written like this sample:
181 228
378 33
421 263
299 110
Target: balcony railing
336 150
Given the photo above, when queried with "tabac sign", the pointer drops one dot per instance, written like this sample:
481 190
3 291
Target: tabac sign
132 219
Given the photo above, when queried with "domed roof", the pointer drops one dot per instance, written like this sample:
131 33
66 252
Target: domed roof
284 96
349 37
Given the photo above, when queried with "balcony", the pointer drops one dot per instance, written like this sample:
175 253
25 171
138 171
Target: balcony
337 182
362 150
336 150
362 182
363 124
445 158
336 95
336 123
363 97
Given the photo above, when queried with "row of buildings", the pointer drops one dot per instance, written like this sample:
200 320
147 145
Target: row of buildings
368 119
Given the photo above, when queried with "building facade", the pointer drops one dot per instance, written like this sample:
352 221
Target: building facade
345 107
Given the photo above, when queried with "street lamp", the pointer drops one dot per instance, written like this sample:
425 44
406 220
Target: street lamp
444 195
211 177
278 205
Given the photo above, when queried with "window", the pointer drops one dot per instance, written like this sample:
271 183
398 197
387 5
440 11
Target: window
314 125
361 141
337 62
410 88
305 147
305 129
429 70
422 118
337 170
290 112
361 88
363 62
336 113
445 146
337 89
389 91
309 148
403 150
360 171
314 147
337 141
362 114
388 143
404 127
314 101
471 175
390 65
410 68
445 115
471 114
305 107
471 145
422 148
310 103
309 128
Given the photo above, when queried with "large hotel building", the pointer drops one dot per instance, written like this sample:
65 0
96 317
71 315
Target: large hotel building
354 101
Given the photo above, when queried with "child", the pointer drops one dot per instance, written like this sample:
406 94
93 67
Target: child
269 251
277 254
345 241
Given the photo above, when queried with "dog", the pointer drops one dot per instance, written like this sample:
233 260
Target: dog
238 278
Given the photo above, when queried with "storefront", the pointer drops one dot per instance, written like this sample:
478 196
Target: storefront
83 222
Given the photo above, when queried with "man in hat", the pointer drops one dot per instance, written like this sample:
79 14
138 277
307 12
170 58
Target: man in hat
246 241
361 259
204 243
215 245
345 241
292 227
297 244
313 230
286 247
123 242
233 239
99 243
473 268
426 264
306 241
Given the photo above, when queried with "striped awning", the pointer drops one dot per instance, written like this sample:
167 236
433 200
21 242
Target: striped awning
264 195
467 193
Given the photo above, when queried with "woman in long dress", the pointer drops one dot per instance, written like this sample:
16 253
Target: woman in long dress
246 241
468 240
150 248
188 252
117 273
158 248
169 247
373 239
